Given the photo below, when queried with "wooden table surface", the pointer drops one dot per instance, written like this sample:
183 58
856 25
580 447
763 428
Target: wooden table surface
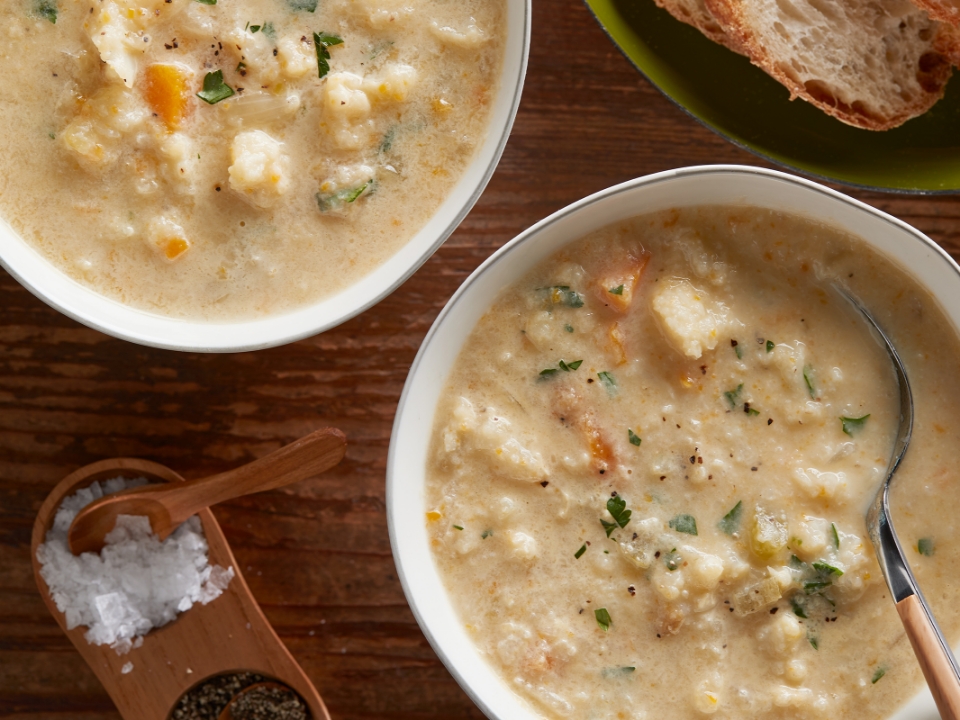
317 555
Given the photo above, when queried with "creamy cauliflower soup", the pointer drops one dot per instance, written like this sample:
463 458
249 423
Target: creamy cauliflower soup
226 159
651 463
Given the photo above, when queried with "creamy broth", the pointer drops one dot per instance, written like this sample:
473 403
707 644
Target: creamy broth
651 463
290 190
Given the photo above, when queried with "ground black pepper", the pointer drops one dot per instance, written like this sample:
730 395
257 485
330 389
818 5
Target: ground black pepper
208 700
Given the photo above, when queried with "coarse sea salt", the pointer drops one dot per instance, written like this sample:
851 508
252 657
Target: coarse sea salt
136 583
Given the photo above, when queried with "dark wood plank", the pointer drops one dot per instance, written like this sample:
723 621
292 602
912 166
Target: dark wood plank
317 555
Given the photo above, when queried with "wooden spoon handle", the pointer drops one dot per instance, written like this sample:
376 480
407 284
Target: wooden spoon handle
310 455
934 662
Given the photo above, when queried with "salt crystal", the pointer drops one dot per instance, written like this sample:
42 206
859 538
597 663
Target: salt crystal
136 583
127 667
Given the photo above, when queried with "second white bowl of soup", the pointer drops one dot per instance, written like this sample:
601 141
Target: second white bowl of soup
230 176
629 471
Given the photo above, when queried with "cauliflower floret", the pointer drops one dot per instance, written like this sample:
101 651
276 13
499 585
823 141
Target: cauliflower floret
705 570
812 533
490 434
168 238
115 36
782 634
344 96
256 52
181 160
296 57
394 83
524 546
348 184
821 485
470 37
691 322
640 548
259 170
94 135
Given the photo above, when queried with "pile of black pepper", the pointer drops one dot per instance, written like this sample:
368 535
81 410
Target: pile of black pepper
209 699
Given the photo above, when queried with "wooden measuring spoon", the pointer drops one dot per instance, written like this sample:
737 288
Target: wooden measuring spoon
229 634
168 506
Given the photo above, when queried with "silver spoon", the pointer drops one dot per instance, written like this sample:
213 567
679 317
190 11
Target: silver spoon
931 648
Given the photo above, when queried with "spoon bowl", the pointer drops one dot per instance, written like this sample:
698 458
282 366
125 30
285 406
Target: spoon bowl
230 634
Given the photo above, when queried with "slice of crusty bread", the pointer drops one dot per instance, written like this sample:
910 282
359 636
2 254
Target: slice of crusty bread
944 10
873 64
695 12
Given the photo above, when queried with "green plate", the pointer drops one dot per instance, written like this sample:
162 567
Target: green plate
739 101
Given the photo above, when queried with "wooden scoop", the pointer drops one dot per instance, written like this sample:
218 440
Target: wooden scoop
229 634
169 505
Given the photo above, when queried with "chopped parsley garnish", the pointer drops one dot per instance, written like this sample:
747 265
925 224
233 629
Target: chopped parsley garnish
797 564
47 9
672 560
815 586
770 346
633 438
737 348
618 290
567 367
731 521
826 569
609 382
562 295
684 524
608 527
254 29
548 373
336 200
214 88
749 410
581 551
853 425
323 42
881 671
458 527
207 2
836 535
485 534
797 607
808 379
616 671
269 30
617 507
925 546
387 143
733 396
603 618
302 5
568 328
241 66
814 641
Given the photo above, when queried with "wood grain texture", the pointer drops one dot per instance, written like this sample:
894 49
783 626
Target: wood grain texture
936 665
317 555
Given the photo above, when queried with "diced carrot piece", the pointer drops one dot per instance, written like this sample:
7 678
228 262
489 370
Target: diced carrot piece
173 247
600 449
166 89
617 344
617 286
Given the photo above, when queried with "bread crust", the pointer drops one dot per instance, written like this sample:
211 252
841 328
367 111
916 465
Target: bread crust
696 14
933 69
947 11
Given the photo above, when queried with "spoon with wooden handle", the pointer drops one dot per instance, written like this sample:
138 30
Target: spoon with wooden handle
929 645
170 504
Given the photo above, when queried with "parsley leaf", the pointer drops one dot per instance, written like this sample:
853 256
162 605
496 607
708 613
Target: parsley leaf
797 607
485 534
684 524
458 527
770 346
617 507
814 640
731 521
214 88
925 546
207 2
581 551
672 560
548 373
633 438
608 527
302 5
609 382
737 348
254 29
881 671
568 328
603 618
562 295
826 569
323 42
836 535
338 199
808 380
733 396
853 425
618 290
269 30
567 367
47 9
